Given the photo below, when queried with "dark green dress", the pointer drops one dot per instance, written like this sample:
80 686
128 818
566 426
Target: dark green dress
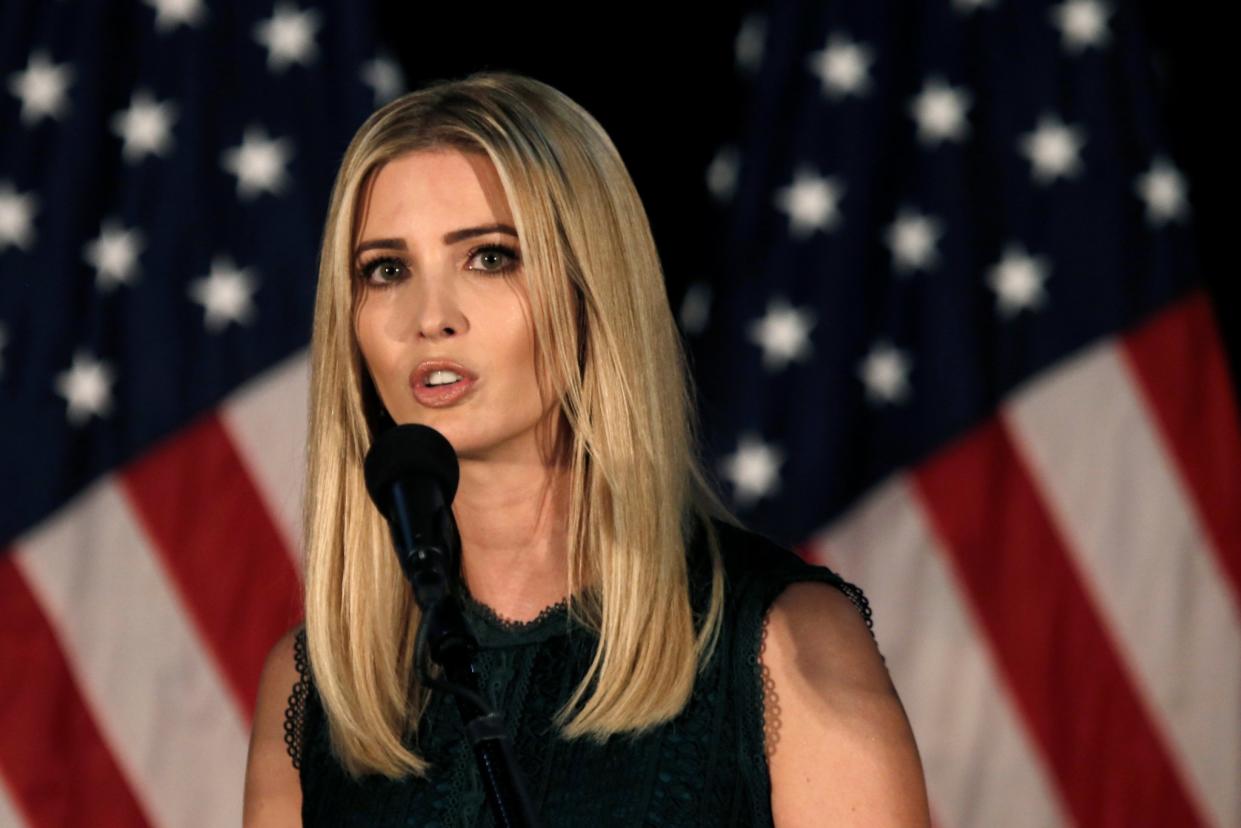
705 767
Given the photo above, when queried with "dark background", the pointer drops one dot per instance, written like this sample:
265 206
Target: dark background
666 89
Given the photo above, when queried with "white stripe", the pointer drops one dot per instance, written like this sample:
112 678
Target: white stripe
980 767
8 812
267 420
157 697
1110 484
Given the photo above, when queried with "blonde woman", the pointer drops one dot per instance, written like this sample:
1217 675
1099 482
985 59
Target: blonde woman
488 270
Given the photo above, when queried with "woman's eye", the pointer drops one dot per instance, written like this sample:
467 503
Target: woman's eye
383 271
495 259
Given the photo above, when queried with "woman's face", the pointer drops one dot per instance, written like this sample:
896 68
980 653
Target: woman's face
443 318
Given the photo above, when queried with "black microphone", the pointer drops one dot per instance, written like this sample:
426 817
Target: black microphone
411 474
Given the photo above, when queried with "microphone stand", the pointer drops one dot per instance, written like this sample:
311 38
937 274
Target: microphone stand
443 634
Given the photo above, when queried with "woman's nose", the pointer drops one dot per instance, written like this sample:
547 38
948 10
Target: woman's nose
439 313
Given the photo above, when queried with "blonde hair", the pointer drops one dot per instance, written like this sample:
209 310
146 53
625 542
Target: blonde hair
606 339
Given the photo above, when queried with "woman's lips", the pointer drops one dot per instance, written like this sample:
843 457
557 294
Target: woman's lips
438 396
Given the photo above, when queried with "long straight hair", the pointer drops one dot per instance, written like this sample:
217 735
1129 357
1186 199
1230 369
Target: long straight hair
606 341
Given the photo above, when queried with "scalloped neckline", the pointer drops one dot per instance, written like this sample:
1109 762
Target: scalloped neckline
510 624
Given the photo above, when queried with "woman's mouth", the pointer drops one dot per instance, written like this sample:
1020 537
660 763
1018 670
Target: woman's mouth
440 383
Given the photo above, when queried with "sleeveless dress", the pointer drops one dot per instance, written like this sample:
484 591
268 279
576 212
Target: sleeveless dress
706 767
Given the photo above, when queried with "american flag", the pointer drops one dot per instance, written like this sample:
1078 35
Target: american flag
164 172
963 357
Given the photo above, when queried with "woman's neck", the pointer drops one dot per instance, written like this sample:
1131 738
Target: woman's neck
513 521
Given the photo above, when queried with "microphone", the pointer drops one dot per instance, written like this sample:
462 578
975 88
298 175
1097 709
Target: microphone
411 474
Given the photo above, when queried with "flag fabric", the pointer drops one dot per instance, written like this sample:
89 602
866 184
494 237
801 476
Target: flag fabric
963 357
164 170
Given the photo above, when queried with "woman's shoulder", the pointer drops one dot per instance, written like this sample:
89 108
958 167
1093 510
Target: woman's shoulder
273 789
758 569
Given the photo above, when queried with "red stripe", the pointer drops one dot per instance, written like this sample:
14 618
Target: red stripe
53 756
1111 765
1183 374
199 506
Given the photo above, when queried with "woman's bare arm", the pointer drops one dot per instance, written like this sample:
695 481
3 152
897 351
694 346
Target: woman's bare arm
842 752
273 797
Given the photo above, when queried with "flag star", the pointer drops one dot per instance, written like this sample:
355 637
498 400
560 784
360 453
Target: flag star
812 203
16 217
114 255
842 66
383 75
226 294
172 13
1082 24
1162 187
754 469
696 308
939 110
145 128
912 238
1053 149
87 388
750 42
722 173
42 87
1018 281
289 36
885 373
258 162
783 333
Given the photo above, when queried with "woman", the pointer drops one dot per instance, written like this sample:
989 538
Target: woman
488 270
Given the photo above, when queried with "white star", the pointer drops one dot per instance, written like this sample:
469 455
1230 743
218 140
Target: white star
696 308
842 67
939 110
289 36
1053 149
383 76
749 43
145 127
1018 281
258 162
172 13
912 238
16 217
226 294
967 6
812 203
87 388
885 373
42 87
783 333
114 255
1162 187
1082 24
754 469
722 173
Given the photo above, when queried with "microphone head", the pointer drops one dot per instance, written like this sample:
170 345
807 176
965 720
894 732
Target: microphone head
405 451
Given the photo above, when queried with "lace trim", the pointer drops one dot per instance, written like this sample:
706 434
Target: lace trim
511 624
854 593
295 713
770 701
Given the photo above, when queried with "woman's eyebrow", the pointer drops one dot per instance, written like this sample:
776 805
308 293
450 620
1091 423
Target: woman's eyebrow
449 238
457 235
